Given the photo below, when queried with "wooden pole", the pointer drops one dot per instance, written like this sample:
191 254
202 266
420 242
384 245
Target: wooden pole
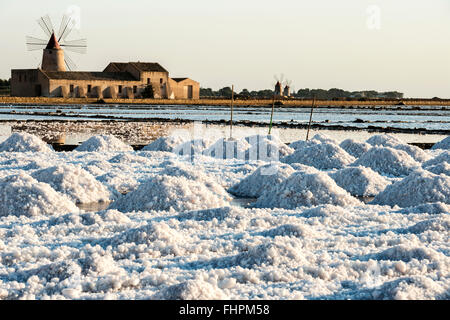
310 117
271 114
231 117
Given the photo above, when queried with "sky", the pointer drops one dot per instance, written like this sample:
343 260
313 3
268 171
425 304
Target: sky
382 45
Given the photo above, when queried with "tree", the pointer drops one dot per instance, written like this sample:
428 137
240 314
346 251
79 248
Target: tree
148 92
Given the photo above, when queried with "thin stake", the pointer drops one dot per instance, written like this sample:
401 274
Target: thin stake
271 114
231 106
310 117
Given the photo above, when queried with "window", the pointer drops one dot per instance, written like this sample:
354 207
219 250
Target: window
120 89
134 89
161 80
71 88
89 88
20 78
148 80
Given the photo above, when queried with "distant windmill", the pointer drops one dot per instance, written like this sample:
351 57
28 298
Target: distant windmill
278 85
287 88
54 58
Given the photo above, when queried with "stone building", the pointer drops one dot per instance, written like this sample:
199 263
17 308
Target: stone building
118 80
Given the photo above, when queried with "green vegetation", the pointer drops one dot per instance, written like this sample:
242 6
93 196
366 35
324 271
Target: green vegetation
5 87
148 92
331 94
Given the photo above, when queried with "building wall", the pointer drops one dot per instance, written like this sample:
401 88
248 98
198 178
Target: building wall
98 89
24 83
182 89
33 82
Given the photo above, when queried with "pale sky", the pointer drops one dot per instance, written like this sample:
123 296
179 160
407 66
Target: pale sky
316 44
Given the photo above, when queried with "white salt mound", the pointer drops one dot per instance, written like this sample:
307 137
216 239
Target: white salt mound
163 193
300 144
24 142
263 178
443 157
191 290
302 189
388 161
323 138
355 148
167 144
385 140
442 168
192 147
304 168
443 144
197 173
415 152
429 208
78 184
322 156
103 143
360 181
258 138
267 150
227 149
418 188
21 195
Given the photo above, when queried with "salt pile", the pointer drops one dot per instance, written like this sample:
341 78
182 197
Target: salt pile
24 142
302 144
415 152
263 178
355 148
322 156
442 168
75 182
103 143
267 150
21 195
384 140
323 138
180 169
418 188
388 161
441 158
191 290
302 189
227 149
443 144
192 147
167 144
258 138
360 181
169 193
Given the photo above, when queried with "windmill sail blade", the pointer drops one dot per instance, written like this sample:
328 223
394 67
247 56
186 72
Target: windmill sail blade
66 27
77 46
35 43
71 66
63 26
46 24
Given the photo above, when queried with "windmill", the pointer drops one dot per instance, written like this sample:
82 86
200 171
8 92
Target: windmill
278 85
287 88
54 58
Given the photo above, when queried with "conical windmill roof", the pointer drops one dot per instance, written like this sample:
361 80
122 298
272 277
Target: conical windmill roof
53 43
